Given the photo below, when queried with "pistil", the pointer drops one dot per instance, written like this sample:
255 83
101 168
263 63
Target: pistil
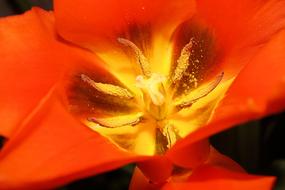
153 87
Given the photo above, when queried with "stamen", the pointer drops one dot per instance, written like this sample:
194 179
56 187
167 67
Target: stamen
189 100
161 142
118 121
171 134
182 62
108 89
141 59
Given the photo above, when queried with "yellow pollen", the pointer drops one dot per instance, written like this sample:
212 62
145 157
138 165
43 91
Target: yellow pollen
108 89
183 61
192 98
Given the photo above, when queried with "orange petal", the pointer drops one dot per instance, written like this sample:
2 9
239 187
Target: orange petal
97 25
87 22
257 91
157 169
53 149
208 177
31 62
251 22
191 156
217 159
241 31
140 182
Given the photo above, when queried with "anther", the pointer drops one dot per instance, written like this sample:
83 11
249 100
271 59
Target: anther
171 134
189 100
108 89
182 61
118 121
141 59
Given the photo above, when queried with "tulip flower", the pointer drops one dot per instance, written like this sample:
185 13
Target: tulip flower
96 85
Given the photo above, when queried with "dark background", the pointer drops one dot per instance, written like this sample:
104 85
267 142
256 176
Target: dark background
258 145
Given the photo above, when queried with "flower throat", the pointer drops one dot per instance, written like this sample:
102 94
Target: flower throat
156 95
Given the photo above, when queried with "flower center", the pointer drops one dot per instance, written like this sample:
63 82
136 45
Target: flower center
152 118
154 94
152 88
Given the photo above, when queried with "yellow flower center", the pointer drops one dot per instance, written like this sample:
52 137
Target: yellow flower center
153 87
153 94
154 126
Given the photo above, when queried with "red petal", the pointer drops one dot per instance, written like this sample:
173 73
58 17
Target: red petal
241 27
31 63
191 156
208 177
217 159
219 172
243 22
256 92
140 182
53 149
88 22
157 170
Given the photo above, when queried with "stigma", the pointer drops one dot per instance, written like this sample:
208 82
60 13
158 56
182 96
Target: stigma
152 87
